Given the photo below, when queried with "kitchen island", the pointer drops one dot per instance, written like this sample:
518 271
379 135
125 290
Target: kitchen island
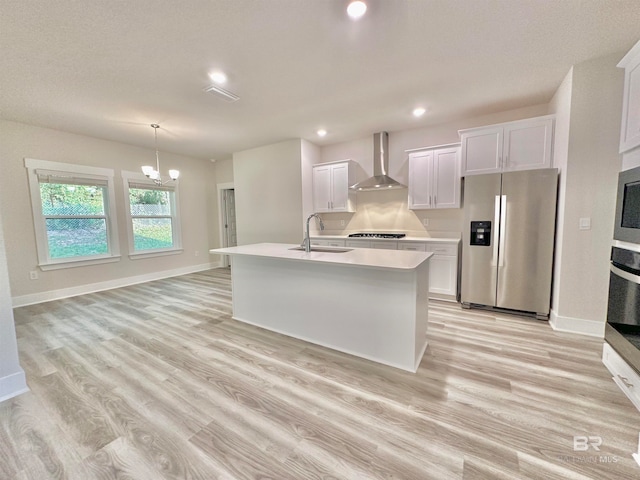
368 303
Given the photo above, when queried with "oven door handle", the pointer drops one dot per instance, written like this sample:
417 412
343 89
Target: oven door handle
626 275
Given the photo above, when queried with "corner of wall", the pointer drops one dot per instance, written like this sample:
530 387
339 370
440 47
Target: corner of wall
580 326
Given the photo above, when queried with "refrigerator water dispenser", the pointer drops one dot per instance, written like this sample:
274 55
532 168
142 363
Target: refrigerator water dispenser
480 234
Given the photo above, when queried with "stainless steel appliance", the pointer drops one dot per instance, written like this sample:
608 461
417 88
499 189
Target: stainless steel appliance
623 312
508 238
381 179
627 223
377 235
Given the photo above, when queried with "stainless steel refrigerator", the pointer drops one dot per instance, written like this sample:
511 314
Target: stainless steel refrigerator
508 239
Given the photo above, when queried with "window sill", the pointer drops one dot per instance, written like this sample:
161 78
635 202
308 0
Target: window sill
151 254
60 264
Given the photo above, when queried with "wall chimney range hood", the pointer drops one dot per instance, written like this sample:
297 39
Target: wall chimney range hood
380 180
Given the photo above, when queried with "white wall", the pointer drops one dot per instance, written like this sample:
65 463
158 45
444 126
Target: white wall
18 141
388 210
310 156
12 378
268 190
560 105
592 169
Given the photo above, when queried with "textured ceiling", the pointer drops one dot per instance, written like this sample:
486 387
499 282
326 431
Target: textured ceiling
108 69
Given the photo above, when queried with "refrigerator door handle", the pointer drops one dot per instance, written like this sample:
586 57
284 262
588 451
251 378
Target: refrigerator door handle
502 233
496 229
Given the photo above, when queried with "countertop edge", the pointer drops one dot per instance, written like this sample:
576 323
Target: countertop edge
262 250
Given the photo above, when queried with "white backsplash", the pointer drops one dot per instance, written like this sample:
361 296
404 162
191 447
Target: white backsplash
388 211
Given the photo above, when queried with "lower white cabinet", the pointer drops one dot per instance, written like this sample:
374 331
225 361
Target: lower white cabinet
327 243
385 245
623 375
443 266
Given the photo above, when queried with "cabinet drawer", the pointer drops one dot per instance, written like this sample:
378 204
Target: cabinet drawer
386 245
416 247
442 249
328 243
623 375
358 243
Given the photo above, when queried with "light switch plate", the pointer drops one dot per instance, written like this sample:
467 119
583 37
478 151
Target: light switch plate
425 222
585 223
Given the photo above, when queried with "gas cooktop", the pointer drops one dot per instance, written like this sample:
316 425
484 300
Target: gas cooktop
377 235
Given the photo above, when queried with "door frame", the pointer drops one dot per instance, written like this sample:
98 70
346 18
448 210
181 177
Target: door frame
221 187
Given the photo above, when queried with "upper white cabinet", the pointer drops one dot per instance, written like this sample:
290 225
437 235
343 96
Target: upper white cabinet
522 145
434 177
630 128
331 183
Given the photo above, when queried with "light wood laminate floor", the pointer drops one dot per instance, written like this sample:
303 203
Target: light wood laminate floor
156 381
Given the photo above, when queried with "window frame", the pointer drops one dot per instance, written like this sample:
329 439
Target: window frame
140 180
84 173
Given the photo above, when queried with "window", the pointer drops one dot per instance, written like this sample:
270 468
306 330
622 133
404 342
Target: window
71 210
154 227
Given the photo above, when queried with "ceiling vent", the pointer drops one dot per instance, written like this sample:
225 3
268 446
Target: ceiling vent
226 95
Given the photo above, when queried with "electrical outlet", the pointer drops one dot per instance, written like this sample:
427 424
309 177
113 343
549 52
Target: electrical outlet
342 223
33 274
585 223
425 222
197 253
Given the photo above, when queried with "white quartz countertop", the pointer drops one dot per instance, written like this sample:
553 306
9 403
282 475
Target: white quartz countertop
403 239
357 257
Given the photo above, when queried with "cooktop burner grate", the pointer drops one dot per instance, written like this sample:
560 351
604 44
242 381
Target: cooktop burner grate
377 235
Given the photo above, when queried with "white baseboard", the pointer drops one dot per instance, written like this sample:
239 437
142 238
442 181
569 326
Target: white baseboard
30 299
581 326
13 385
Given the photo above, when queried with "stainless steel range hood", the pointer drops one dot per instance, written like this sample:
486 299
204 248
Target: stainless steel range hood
380 180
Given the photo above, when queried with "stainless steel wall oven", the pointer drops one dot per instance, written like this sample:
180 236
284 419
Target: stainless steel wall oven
627 224
622 331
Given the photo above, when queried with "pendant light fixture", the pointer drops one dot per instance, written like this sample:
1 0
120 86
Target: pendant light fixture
154 173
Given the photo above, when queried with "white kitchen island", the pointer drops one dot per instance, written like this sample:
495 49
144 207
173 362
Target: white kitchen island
368 303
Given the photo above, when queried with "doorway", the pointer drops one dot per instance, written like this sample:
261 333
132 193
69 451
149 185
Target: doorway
227 215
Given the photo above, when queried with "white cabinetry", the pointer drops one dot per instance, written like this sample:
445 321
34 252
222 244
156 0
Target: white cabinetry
434 177
522 145
443 279
327 243
443 265
623 375
630 131
331 183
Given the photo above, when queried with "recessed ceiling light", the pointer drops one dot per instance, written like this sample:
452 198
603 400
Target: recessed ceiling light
322 132
218 77
419 111
356 9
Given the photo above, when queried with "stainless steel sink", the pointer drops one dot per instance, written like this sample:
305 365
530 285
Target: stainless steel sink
324 249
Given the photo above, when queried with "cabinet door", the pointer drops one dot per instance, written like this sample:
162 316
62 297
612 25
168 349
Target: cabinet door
482 151
321 188
420 179
443 276
445 184
630 132
340 187
527 145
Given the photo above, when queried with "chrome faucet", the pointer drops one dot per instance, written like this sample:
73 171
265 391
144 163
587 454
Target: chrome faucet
306 243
